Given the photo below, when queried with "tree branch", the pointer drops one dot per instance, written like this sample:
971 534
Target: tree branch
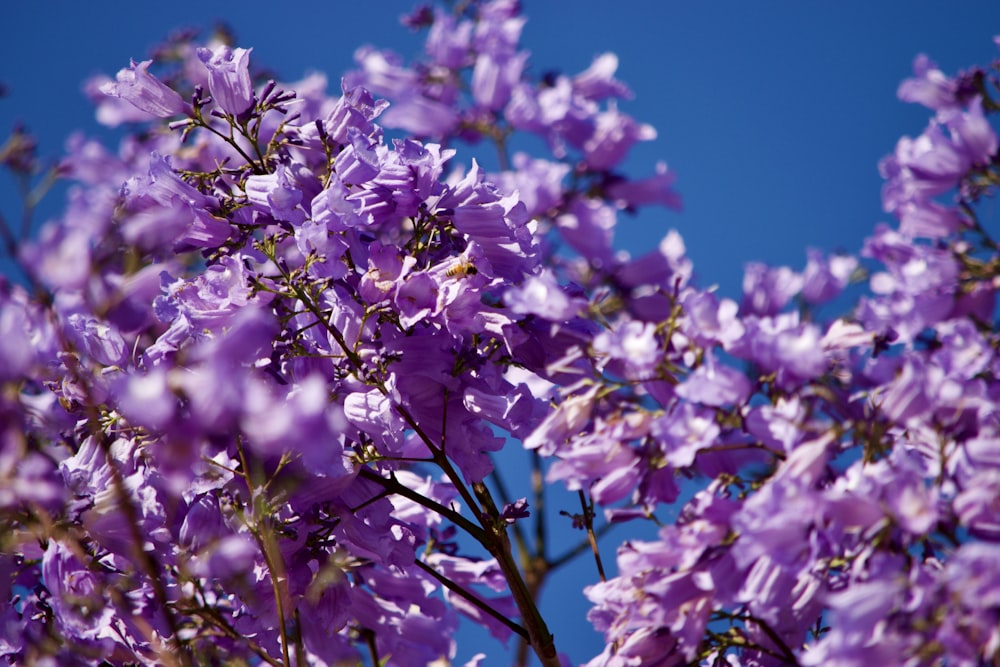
480 604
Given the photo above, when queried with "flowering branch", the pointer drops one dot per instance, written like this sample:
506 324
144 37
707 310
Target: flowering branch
261 370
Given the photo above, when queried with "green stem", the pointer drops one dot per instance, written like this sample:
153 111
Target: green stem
265 540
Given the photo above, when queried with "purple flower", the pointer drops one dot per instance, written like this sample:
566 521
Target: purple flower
498 225
229 558
468 572
588 226
421 116
843 335
412 172
111 111
229 77
510 409
96 338
614 135
776 521
715 384
665 267
517 510
17 354
928 219
598 81
685 431
78 593
417 298
656 189
964 353
973 575
302 422
929 86
448 41
382 73
542 296
780 425
30 481
372 413
767 290
934 163
538 182
648 646
162 184
60 257
146 400
634 345
708 319
277 194
289 374
555 113
356 108
360 160
784 346
204 524
90 162
823 279
858 615
569 418
137 86
602 461
412 109
971 133
494 78
211 299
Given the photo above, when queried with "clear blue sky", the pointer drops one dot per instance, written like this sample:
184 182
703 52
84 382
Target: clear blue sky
773 114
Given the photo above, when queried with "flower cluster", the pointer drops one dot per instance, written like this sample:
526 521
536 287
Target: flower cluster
850 516
253 381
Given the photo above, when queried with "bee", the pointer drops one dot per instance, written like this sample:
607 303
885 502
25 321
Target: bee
462 269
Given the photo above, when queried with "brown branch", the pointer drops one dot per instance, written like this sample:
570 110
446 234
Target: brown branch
499 547
480 604
588 520
392 485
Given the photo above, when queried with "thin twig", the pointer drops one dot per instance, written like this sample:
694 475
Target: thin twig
266 542
392 485
582 546
480 604
588 521
505 497
538 486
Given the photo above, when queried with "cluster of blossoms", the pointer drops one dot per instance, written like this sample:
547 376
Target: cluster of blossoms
252 382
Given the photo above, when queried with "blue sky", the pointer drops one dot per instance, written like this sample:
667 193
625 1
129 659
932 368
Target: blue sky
773 114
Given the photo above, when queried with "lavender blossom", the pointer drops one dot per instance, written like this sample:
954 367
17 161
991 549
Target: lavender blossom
145 92
229 77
